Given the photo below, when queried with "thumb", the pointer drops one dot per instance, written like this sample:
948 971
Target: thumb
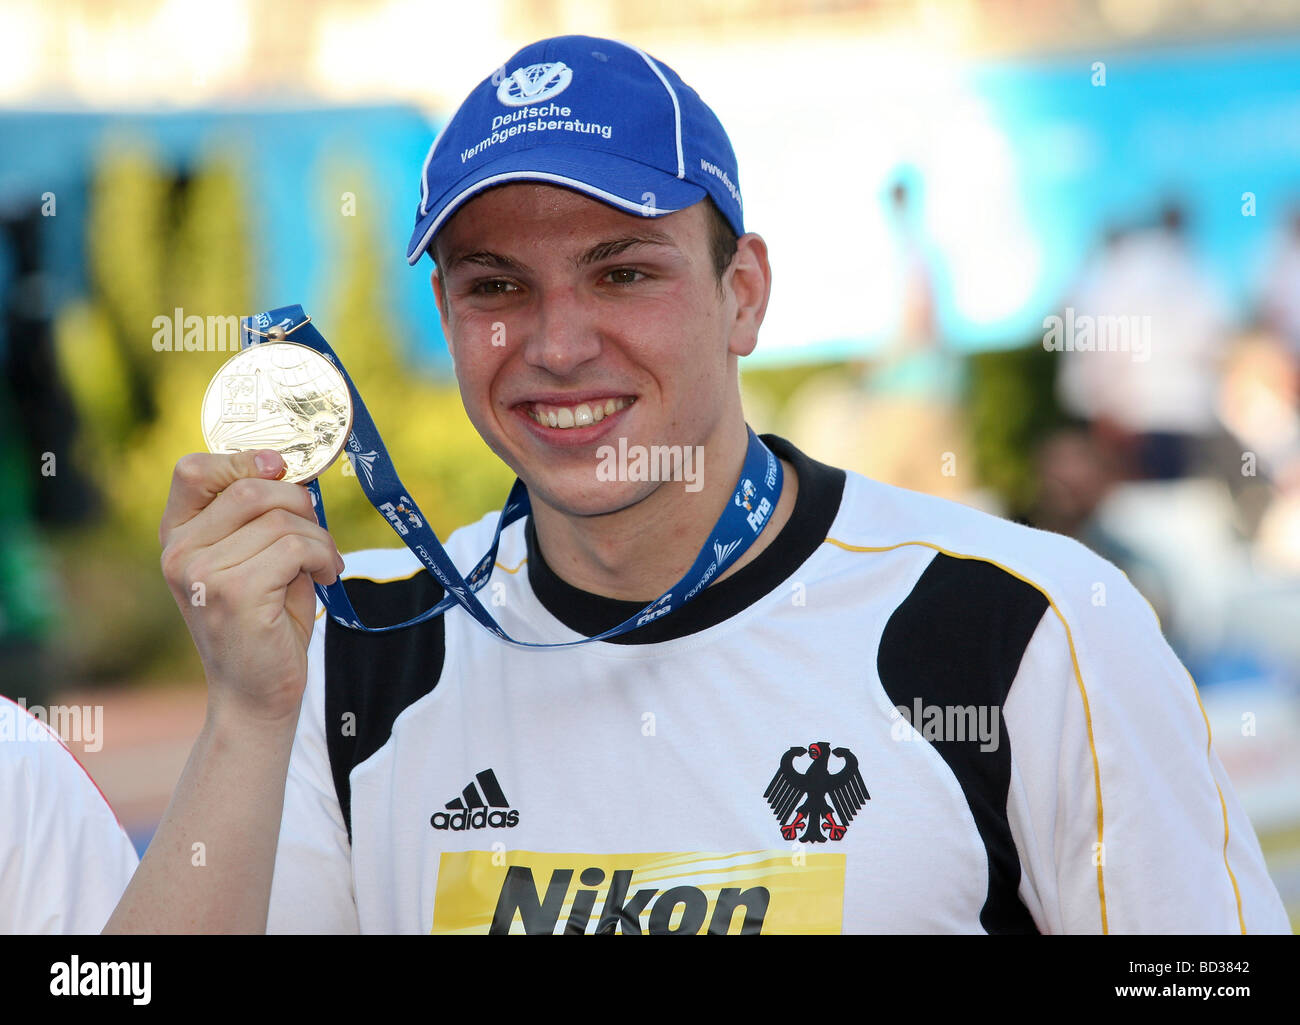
201 476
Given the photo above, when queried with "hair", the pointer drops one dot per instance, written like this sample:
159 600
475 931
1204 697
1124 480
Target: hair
722 240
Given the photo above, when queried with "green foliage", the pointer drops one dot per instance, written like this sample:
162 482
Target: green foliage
1013 409
448 468
126 236
96 372
773 386
152 248
766 393
209 265
28 598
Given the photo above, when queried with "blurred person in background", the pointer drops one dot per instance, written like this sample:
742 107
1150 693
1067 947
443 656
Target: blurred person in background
1076 473
906 407
916 329
1280 298
1147 378
1260 405
1196 429
1144 337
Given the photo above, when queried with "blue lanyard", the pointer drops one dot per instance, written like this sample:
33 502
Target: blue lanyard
745 516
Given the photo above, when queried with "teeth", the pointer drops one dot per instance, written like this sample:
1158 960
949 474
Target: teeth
582 415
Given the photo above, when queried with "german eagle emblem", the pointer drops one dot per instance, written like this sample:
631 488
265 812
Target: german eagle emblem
810 801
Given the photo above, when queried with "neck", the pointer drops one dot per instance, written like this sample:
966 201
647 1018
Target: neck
638 553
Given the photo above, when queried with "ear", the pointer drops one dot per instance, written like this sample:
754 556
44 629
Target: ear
749 280
440 297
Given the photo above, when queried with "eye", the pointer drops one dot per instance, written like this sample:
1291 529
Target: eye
493 286
625 275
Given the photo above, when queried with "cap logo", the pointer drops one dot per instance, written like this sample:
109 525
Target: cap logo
534 83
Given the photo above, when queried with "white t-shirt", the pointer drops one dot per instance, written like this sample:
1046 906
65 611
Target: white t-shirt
65 860
742 764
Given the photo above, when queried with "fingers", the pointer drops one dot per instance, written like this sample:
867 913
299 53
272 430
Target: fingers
301 595
244 547
260 533
223 567
263 577
242 502
274 568
200 476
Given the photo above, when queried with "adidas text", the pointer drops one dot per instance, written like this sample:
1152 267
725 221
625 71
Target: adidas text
480 818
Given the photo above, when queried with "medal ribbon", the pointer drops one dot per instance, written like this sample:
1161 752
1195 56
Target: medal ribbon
757 491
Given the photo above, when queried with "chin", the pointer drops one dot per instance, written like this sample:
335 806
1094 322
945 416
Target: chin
590 497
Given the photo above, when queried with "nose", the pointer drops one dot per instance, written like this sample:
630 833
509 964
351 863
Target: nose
564 334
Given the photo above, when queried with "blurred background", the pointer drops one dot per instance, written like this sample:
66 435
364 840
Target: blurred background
1042 258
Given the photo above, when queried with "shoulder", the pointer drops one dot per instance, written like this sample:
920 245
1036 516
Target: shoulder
876 517
35 761
65 858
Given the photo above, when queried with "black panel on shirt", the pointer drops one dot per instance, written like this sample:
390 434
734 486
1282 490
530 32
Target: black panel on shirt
958 639
376 676
820 489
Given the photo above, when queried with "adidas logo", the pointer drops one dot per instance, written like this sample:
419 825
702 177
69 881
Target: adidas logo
473 810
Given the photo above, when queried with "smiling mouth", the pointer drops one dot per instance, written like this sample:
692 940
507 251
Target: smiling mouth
582 414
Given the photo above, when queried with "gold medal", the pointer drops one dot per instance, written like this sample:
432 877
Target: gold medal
284 396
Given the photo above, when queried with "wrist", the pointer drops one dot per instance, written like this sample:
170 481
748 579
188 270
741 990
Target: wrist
231 720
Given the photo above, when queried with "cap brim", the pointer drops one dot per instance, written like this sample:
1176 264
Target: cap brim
625 184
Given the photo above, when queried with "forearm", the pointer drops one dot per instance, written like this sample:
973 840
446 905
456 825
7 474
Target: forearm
209 867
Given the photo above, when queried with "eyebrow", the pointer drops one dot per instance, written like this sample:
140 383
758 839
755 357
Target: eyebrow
612 247
482 258
600 251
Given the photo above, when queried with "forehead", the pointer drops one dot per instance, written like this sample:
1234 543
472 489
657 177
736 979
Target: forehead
532 214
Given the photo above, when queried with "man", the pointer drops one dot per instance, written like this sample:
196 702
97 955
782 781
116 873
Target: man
738 763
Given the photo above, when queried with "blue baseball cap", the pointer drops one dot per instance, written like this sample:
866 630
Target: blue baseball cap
594 115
